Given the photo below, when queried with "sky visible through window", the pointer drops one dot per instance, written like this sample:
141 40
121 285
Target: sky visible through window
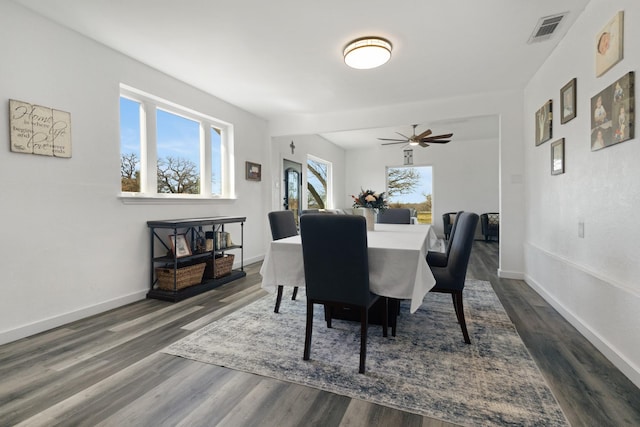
424 187
177 137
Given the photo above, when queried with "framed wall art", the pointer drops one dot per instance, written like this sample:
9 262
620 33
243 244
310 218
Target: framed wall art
543 122
609 44
568 102
612 113
253 171
557 157
179 245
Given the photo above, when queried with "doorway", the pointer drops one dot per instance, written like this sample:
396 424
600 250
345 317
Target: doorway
292 187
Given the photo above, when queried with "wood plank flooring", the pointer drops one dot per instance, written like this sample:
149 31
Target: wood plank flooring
106 370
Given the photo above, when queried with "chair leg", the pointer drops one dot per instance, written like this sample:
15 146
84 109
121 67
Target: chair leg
295 293
278 299
364 321
328 315
385 318
394 311
455 306
308 330
460 313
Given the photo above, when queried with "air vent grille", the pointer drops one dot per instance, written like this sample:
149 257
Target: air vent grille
546 27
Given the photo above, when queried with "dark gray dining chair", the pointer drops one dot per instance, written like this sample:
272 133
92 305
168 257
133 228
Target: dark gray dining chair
394 216
336 272
450 278
448 219
439 259
283 224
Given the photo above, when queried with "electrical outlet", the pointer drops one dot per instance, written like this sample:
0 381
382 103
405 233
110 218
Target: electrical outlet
581 229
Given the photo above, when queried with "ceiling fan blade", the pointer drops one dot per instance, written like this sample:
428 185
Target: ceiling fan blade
391 139
392 143
438 141
446 135
404 136
423 144
424 134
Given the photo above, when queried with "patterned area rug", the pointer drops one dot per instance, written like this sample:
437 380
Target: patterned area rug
427 369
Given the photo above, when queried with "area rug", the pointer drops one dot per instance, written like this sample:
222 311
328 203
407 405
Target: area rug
426 369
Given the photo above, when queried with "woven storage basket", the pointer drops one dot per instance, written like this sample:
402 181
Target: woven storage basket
223 267
185 276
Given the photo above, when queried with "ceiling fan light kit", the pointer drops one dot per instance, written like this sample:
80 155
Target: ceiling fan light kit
367 52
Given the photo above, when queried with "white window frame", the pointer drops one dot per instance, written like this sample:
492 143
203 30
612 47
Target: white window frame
329 204
149 154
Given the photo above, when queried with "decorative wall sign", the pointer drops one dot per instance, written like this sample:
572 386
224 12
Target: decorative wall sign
609 47
408 156
253 171
557 157
612 113
568 102
543 125
39 130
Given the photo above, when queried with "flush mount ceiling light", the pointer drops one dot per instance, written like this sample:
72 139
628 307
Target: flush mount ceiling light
367 52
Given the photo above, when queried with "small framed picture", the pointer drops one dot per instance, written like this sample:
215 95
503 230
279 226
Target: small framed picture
254 171
179 245
557 157
543 122
568 102
609 47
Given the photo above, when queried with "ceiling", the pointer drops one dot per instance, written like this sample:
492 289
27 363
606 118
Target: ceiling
284 57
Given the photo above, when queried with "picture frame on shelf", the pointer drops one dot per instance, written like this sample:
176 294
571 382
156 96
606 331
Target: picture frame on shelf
179 245
544 128
568 102
609 44
557 157
613 113
253 171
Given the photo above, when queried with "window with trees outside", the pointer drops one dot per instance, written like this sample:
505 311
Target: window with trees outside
318 183
167 150
411 187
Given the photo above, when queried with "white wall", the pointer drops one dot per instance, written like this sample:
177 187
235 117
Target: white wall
70 247
594 281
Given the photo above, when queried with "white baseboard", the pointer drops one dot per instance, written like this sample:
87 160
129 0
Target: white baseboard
619 361
503 274
63 319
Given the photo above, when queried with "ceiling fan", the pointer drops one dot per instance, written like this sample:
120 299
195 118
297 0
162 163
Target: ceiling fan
423 140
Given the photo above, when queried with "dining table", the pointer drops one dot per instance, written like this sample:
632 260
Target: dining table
397 262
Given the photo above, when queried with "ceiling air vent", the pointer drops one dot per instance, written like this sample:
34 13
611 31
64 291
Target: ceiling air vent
546 27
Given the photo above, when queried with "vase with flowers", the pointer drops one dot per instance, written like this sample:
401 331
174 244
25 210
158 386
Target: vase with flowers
371 203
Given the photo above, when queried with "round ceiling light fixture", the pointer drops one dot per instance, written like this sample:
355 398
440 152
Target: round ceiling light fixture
367 52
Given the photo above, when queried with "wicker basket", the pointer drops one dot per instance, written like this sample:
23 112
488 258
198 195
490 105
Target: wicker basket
185 276
223 267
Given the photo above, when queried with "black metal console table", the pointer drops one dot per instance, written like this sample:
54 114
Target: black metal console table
194 230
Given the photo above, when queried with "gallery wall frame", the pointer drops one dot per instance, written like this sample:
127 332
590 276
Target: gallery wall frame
568 103
609 47
557 157
543 125
253 171
613 113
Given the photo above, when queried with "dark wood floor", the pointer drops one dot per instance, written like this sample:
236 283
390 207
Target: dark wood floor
107 370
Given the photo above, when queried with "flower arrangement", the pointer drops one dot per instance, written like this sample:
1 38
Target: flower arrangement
370 199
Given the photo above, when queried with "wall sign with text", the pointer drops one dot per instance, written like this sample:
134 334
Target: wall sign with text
39 130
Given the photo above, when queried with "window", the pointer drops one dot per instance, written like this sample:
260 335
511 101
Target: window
318 183
411 187
171 151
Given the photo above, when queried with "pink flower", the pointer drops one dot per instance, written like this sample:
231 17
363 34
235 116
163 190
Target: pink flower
370 198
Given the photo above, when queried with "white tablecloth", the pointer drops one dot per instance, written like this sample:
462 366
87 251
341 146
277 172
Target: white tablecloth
397 262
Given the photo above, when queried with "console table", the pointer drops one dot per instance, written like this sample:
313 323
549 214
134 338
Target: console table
194 231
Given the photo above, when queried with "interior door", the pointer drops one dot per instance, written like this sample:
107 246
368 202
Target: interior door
292 187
